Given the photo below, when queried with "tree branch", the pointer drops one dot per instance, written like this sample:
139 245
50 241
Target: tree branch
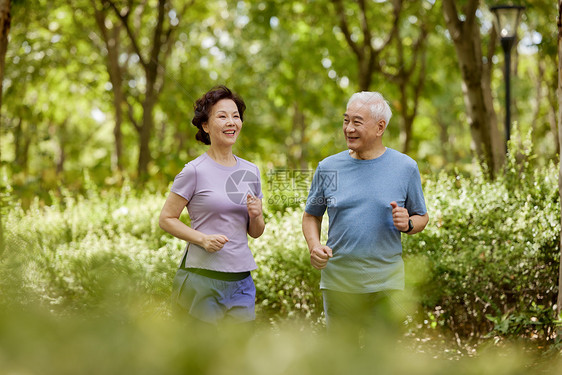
421 79
397 9
168 40
364 24
418 46
487 67
125 20
470 11
99 16
132 117
345 29
451 15
157 39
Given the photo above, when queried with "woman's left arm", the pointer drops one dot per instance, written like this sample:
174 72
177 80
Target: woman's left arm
256 225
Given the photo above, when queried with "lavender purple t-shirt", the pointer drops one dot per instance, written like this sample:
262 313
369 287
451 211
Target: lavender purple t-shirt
216 197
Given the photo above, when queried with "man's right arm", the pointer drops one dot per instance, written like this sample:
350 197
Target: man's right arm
311 228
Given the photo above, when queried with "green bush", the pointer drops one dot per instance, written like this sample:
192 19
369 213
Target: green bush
486 264
287 285
490 254
78 251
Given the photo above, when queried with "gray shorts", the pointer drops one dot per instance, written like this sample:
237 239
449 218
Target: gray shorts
366 310
211 300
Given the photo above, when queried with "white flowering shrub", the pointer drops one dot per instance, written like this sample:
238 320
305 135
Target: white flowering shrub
486 263
488 260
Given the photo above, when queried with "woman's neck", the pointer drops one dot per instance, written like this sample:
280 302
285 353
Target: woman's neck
222 156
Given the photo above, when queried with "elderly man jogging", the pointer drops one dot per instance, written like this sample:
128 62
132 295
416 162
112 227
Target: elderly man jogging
373 195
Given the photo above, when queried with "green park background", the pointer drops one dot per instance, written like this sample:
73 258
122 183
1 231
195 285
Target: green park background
96 107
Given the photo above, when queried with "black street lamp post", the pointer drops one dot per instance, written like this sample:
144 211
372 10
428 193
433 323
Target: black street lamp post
507 17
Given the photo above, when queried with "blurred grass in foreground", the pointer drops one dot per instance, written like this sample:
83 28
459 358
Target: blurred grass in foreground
132 340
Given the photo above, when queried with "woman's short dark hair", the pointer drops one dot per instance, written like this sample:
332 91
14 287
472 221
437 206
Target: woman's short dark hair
203 107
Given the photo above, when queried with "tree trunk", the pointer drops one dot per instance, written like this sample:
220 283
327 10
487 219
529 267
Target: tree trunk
61 139
151 97
552 119
116 78
538 98
406 133
22 142
408 122
146 132
111 40
406 113
476 84
497 139
559 303
153 66
447 140
299 134
118 100
365 72
5 20
410 79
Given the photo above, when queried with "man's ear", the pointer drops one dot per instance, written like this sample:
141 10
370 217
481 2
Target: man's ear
381 127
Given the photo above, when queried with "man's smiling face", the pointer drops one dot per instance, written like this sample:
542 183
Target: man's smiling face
361 130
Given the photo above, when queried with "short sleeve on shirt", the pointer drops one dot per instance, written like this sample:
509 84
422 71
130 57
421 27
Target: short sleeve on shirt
316 202
415 202
185 182
259 193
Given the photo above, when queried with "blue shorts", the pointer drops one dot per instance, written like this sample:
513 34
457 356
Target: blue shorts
211 300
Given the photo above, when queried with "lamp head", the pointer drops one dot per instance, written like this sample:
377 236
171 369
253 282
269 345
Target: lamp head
507 17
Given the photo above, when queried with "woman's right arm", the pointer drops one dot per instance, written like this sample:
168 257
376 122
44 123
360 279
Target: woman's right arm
171 223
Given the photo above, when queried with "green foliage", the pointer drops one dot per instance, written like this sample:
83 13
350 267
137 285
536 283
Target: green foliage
288 59
490 253
84 284
33 341
77 251
286 283
485 265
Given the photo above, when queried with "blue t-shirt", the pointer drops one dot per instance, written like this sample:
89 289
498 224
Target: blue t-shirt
367 251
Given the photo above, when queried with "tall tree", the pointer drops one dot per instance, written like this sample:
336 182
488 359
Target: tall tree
464 28
542 28
110 34
152 53
362 47
408 72
51 88
5 21
559 304
399 54
283 47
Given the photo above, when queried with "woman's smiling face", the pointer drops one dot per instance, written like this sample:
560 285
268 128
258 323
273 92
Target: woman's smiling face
224 123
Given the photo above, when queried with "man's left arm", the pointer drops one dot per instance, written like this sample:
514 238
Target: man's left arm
401 218
419 221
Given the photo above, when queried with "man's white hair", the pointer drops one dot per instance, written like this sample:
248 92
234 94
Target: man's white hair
377 104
